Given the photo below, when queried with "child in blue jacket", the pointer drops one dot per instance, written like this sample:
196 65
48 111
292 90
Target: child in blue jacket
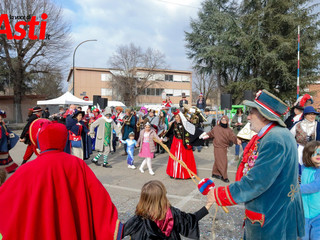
310 189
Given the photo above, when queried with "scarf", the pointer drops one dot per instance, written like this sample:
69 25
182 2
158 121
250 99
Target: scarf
224 125
107 133
166 225
308 127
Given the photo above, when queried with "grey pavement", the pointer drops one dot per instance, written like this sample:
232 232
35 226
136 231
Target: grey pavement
124 185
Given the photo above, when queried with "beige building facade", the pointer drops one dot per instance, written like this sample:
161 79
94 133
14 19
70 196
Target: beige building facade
98 81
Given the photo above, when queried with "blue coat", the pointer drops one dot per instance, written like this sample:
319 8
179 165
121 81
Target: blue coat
128 128
86 140
270 190
7 142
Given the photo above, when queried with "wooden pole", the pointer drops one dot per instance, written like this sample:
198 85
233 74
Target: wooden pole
192 174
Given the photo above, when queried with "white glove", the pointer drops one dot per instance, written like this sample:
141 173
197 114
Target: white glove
204 135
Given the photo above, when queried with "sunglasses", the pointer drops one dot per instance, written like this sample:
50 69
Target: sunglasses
316 152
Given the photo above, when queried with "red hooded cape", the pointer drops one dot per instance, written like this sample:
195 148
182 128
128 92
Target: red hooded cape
56 196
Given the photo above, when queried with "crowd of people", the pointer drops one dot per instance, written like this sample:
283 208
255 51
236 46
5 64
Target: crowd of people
278 176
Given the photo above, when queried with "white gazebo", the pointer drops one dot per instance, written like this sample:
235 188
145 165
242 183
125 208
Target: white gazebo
65 99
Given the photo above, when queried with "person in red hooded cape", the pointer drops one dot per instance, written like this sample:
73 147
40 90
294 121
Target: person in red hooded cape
56 196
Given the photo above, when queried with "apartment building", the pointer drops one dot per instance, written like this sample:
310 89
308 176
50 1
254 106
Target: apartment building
98 81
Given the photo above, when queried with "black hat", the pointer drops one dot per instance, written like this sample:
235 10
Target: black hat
36 109
77 113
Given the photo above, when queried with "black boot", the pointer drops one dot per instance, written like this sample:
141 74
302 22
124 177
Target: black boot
107 165
157 148
96 163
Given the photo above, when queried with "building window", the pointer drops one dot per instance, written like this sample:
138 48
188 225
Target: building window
169 92
159 91
168 78
176 93
185 78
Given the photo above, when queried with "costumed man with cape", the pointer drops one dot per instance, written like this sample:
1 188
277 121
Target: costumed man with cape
56 196
267 177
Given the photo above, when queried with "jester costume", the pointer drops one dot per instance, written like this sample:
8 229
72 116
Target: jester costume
103 127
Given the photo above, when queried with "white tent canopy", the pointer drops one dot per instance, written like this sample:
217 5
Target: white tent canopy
65 99
115 104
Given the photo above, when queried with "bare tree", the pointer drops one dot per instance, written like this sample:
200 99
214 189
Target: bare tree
206 84
134 68
25 58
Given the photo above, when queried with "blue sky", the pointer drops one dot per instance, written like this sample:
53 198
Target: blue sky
159 24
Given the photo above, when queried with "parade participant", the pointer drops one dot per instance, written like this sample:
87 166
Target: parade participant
130 143
24 137
153 119
147 147
79 143
155 218
163 126
208 125
267 177
295 116
58 117
143 112
56 196
70 111
222 136
136 130
115 134
46 113
128 126
296 113
306 130
238 121
140 120
104 137
3 176
167 103
201 102
7 141
96 116
196 119
182 133
88 116
183 101
310 189
119 116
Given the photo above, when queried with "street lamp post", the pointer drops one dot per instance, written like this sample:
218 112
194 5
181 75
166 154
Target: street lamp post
74 55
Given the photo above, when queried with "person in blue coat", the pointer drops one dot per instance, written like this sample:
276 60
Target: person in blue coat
7 141
79 142
267 177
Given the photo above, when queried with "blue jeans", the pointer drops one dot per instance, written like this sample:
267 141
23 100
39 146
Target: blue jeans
243 144
312 228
